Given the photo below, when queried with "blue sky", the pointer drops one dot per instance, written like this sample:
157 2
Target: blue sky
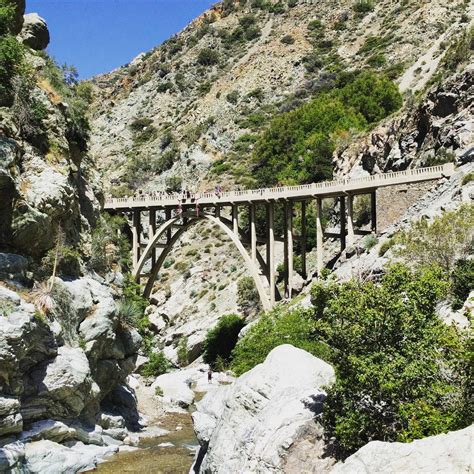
99 35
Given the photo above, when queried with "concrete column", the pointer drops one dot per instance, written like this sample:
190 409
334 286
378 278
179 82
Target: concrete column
289 238
319 236
285 248
136 238
235 219
342 201
253 234
151 233
168 217
373 211
271 250
350 220
303 239
217 211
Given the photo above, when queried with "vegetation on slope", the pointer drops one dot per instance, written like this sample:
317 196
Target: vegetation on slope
402 373
298 145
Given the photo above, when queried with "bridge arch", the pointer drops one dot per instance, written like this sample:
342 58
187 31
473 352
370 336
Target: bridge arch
182 223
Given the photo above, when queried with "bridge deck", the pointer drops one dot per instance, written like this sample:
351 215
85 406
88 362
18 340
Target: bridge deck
334 188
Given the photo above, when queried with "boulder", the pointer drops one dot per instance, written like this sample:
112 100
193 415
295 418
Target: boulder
260 416
451 452
11 457
63 386
54 458
11 421
12 266
25 342
175 387
35 33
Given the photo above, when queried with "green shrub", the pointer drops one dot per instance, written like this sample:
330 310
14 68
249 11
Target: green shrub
442 241
208 57
183 351
11 63
129 313
221 340
156 366
248 298
386 246
462 282
295 327
369 241
468 178
7 17
287 39
391 353
363 6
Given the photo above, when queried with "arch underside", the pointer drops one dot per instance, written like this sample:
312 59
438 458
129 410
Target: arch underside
180 224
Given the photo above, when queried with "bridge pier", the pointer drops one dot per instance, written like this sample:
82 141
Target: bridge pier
373 211
350 220
289 248
151 232
319 236
136 237
271 250
303 238
253 234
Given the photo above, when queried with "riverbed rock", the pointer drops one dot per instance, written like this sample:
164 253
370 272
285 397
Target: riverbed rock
451 452
53 458
264 412
35 33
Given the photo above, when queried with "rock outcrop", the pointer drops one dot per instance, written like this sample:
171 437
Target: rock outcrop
452 452
35 33
249 426
61 369
19 12
438 129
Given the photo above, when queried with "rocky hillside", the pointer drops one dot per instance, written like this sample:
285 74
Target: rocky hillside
188 112
65 350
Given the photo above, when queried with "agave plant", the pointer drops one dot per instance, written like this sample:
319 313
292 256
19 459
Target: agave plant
43 296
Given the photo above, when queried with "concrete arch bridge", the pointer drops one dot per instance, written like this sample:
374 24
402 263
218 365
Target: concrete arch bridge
182 211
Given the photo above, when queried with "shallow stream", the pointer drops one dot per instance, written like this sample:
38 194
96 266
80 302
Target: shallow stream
174 457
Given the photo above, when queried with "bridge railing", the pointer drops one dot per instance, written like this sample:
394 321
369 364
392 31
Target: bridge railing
334 185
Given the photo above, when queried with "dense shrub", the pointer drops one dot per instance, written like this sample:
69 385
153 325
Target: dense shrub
462 278
208 57
248 298
298 145
280 326
157 365
363 6
7 17
397 372
11 64
221 340
443 241
110 245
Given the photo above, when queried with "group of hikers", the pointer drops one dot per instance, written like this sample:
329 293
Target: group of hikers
183 195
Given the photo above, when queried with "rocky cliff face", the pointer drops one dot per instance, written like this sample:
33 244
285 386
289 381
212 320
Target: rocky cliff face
179 109
66 364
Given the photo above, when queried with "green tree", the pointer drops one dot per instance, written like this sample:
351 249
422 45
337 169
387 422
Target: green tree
221 340
394 358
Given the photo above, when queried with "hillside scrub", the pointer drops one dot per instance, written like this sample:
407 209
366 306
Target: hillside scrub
298 145
402 374
12 53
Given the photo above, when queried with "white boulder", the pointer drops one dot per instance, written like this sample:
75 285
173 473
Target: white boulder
446 453
260 416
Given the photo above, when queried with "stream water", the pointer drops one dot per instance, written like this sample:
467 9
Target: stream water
172 453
